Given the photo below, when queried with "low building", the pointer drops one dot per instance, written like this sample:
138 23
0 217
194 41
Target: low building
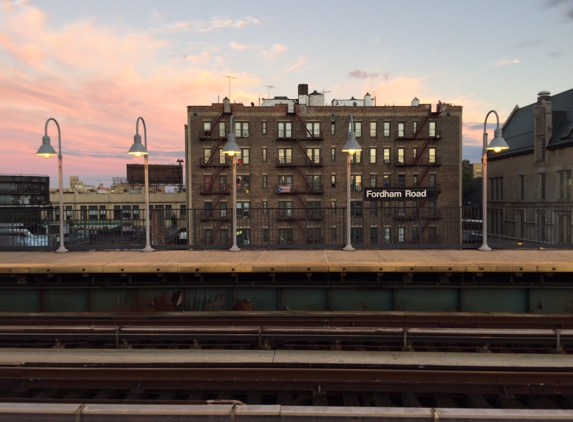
529 185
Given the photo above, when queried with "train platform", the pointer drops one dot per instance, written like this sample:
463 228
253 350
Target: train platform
283 358
289 261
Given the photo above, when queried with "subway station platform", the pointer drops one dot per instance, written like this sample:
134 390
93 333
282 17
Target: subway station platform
289 261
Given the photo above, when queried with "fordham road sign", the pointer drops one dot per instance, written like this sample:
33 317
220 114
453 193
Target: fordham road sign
399 194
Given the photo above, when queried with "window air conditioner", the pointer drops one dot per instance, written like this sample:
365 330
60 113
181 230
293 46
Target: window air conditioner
358 188
245 134
281 160
246 242
401 214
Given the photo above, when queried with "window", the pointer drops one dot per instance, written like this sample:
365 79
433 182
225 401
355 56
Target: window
496 188
313 129
333 154
313 155
356 235
208 209
387 235
243 184
102 212
265 181
414 153
431 180
400 157
206 127
401 234
356 181
432 129
242 209
386 129
168 211
372 129
373 181
264 128
69 213
224 236
333 180
400 129
222 130
432 234
332 128
117 212
431 155
265 207
357 128
542 149
521 187
223 209
264 155
386 155
244 156
285 156
416 179
374 235
372 155
285 130
313 183
415 127
356 157
93 212
314 235
242 129
564 223
182 210
223 184
206 155
223 159
401 180
356 208
126 212
373 208
285 208
542 186
333 206
386 180
314 209
208 236
285 235
564 184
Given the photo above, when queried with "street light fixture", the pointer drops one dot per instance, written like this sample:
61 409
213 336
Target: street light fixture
496 145
138 149
47 150
351 147
232 150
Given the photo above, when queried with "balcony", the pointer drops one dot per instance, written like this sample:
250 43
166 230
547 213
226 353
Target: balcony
214 189
423 135
306 162
421 162
212 135
291 189
214 162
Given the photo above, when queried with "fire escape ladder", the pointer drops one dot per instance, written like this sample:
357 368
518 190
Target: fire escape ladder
302 148
426 224
301 199
421 179
218 200
214 125
217 228
213 153
308 185
302 228
208 189
422 125
303 123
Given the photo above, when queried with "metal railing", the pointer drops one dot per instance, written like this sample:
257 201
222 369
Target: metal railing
373 225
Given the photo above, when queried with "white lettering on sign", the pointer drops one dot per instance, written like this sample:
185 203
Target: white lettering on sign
383 194
416 194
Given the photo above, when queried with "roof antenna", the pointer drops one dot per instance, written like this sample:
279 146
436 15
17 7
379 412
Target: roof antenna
269 89
230 77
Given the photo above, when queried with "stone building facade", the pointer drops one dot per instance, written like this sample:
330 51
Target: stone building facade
529 185
291 176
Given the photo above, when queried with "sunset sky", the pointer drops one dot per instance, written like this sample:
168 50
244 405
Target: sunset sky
95 66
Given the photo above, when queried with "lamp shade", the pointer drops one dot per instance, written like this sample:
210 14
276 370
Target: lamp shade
231 148
497 144
137 148
46 149
351 146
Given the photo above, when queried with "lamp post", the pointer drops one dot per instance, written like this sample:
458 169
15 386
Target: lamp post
232 149
351 147
47 151
496 145
138 150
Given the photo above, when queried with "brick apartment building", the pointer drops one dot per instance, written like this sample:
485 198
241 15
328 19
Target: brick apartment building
292 171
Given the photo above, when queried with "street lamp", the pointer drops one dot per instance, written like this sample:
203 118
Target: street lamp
232 149
496 145
351 147
138 150
47 150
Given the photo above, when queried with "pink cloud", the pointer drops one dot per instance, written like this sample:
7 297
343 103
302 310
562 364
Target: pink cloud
217 22
274 51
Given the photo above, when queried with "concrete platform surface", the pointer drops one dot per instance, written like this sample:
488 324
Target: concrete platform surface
11 357
277 261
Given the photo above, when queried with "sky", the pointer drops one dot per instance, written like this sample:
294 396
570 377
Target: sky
96 66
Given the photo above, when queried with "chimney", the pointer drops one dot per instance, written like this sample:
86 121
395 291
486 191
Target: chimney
303 94
542 96
226 106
